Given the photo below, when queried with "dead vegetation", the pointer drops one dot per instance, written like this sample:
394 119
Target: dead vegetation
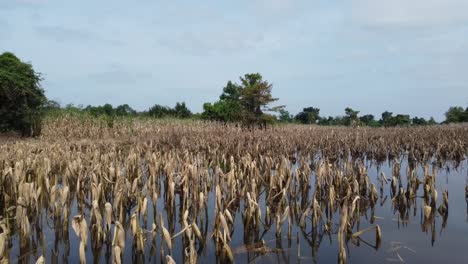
102 181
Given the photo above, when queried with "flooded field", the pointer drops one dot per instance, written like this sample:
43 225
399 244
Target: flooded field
165 193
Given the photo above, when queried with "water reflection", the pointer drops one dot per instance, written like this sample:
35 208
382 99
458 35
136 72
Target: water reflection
307 215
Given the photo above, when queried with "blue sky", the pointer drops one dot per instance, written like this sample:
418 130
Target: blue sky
372 55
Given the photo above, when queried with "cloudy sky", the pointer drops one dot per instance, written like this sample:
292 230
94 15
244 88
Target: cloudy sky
406 56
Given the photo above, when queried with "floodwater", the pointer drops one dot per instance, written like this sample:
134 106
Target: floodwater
405 239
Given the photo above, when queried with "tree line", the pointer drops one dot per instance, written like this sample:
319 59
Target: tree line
180 110
311 115
225 112
23 104
248 103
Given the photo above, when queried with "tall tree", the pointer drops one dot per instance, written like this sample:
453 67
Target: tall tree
108 109
401 120
21 97
351 117
181 110
309 115
231 92
387 119
255 97
417 121
159 111
285 116
245 102
368 120
124 110
456 114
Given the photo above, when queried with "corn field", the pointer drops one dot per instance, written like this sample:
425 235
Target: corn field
195 192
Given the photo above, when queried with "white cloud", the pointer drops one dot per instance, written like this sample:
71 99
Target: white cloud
216 42
31 2
3 22
63 34
275 4
118 74
409 13
10 4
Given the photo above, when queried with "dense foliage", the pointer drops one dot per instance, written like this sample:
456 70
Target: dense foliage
21 97
179 111
245 102
229 109
456 115
108 111
309 115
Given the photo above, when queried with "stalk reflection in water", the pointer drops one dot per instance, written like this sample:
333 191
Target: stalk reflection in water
151 191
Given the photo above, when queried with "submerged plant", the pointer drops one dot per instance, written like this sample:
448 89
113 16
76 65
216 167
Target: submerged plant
162 181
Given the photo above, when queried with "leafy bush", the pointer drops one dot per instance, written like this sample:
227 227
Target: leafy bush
21 97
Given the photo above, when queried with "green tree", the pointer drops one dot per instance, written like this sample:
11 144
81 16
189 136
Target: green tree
72 109
456 114
92 110
228 108
209 112
368 120
465 115
285 116
124 110
416 121
223 110
255 96
51 105
325 121
159 111
244 102
231 92
181 110
401 120
351 117
387 119
339 121
108 109
332 121
309 115
21 97
104 110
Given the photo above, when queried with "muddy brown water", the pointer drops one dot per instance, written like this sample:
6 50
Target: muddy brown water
407 240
